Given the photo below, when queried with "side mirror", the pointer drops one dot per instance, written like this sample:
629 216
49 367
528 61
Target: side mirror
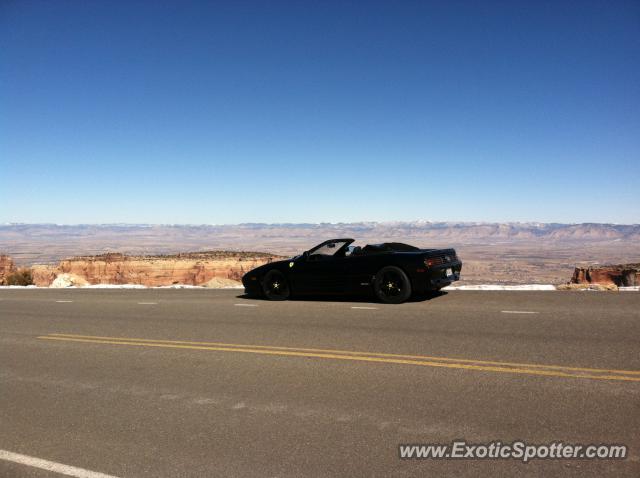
305 255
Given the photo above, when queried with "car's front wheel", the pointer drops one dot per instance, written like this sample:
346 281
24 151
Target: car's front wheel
392 285
275 286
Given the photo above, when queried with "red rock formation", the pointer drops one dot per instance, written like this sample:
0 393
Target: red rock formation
151 271
620 275
6 267
43 275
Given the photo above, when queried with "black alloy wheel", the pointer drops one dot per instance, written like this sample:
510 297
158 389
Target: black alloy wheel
275 286
392 285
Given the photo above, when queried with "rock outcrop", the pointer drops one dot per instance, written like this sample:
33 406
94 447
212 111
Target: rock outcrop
68 280
153 271
222 283
7 267
621 275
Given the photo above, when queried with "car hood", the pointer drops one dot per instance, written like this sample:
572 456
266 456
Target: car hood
269 266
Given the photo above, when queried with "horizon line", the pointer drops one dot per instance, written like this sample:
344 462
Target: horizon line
417 221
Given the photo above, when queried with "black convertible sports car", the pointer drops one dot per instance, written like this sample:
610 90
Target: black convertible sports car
392 271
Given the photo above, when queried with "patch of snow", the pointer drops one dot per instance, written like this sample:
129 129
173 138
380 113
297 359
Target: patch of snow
502 287
200 287
119 286
114 286
67 280
138 286
178 286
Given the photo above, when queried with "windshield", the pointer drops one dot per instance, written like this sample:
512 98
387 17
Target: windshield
329 249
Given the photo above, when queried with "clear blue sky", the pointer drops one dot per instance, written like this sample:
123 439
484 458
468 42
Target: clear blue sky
228 112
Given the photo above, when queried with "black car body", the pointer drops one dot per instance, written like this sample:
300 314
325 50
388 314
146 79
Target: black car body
391 271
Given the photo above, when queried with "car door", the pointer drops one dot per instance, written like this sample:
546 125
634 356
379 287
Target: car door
319 275
358 273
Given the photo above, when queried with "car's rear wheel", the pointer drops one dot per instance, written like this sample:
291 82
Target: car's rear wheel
392 285
275 286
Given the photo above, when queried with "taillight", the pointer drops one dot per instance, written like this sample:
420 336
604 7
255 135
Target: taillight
439 260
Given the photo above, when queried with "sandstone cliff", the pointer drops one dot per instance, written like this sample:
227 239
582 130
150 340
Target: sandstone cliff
152 271
6 267
621 275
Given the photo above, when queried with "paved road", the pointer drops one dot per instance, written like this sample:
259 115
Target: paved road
172 383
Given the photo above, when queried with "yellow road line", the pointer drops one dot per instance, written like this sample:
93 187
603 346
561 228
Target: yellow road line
353 352
335 356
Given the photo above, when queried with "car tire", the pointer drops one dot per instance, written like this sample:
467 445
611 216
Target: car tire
391 285
275 286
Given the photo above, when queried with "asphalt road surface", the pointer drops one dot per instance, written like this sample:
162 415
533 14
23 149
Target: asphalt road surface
172 383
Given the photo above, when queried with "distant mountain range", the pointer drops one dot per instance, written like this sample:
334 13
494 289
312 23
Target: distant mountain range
457 231
51 242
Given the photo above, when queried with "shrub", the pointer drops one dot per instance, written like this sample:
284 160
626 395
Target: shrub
20 277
